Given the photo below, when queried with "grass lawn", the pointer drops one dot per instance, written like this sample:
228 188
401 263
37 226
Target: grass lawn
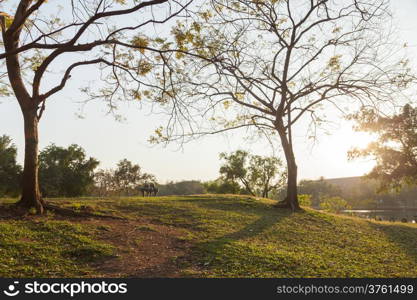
203 236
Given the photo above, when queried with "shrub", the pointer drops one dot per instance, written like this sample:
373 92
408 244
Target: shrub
334 204
304 200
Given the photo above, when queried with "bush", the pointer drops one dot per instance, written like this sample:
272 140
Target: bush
220 186
187 187
334 204
304 200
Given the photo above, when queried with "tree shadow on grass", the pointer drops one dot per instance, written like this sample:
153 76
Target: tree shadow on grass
209 254
266 216
167 215
260 225
201 255
402 235
239 205
9 212
259 216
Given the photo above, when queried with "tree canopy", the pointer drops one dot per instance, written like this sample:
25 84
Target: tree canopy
124 180
66 171
395 150
45 42
258 175
129 176
268 65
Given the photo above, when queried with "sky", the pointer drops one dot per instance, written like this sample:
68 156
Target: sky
109 140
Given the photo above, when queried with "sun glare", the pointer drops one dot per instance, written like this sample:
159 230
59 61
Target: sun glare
356 139
329 158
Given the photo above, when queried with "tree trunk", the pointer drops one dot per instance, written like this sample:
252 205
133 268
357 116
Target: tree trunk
265 191
247 186
31 196
291 200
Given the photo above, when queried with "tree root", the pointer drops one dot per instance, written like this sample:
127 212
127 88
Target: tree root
18 210
282 204
41 206
286 204
24 205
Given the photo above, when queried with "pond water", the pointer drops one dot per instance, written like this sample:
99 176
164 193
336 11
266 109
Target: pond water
404 215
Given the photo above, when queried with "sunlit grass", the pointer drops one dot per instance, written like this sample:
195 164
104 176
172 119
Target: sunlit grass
241 236
48 248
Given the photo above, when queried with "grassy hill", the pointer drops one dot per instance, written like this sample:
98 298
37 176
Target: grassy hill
202 236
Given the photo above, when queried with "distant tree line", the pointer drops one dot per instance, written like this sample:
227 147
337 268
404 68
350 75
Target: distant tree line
10 171
122 181
69 172
185 187
357 192
244 173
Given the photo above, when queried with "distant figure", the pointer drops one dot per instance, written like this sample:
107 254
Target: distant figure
153 190
148 189
144 189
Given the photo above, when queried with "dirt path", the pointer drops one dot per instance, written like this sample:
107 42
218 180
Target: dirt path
143 249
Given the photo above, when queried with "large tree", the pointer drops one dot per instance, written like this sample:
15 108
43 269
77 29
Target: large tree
273 65
124 180
129 176
257 174
41 37
395 150
65 171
